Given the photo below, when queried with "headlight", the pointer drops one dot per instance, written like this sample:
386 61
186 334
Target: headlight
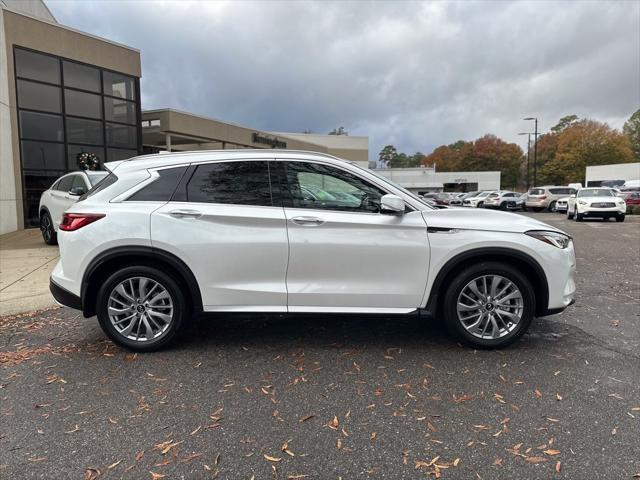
582 202
620 202
556 239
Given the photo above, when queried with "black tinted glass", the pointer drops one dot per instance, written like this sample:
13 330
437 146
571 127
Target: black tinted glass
101 185
161 189
41 126
240 183
118 85
43 156
118 110
38 96
84 131
37 66
114 154
65 183
121 135
82 104
316 186
81 76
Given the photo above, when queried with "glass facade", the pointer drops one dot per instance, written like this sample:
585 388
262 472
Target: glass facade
66 108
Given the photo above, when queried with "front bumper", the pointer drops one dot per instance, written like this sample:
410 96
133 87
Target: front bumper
64 297
588 211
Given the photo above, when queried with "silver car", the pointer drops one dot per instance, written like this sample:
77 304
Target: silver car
540 198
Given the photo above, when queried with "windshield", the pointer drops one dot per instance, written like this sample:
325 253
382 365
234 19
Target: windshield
595 192
482 194
395 185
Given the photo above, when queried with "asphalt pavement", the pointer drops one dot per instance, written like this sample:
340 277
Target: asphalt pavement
307 396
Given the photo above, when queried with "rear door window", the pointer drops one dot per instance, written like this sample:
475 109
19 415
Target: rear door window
232 183
64 185
536 191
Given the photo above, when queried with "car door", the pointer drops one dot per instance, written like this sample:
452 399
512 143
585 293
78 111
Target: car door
344 255
222 222
60 199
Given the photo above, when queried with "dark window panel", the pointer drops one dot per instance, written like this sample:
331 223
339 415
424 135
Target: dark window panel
43 156
74 150
114 154
240 183
38 96
81 76
121 136
118 110
161 189
37 66
41 126
84 131
65 183
118 85
82 104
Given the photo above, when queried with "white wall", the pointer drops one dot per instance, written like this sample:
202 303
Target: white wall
34 8
8 206
416 179
617 171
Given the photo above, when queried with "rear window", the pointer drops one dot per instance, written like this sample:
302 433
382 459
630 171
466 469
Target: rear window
562 191
64 185
101 185
162 188
536 191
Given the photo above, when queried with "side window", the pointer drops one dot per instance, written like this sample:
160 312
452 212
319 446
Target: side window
64 185
238 183
318 186
78 181
162 188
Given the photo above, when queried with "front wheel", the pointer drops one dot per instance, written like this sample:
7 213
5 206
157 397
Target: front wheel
489 305
552 207
578 216
569 214
141 308
46 227
620 218
480 204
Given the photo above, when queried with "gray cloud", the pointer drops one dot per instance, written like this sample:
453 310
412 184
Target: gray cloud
413 74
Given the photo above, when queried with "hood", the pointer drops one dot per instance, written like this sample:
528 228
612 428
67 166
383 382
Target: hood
480 219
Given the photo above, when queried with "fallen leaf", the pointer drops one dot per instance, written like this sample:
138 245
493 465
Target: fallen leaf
558 397
113 465
614 431
537 393
306 417
535 459
551 451
91 473
156 476
272 459
139 455
334 423
558 467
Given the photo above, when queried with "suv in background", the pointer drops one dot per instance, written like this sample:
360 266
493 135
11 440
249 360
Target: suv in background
61 195
503 199
541 198
476 200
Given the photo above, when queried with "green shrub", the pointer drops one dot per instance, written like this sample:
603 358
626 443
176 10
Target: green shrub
633 209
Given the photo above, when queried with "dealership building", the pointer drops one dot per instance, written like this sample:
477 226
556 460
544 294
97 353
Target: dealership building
64 92
426 180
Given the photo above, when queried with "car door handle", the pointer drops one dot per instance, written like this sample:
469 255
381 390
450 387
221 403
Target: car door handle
185 213
307 221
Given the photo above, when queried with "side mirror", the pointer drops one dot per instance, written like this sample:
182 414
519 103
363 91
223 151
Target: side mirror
77 191
391 204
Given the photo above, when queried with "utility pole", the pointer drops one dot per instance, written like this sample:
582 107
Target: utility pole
528 134
535 151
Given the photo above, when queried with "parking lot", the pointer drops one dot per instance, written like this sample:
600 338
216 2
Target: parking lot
292 397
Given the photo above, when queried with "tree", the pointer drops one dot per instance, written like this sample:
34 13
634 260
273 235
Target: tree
387 154
339 131
564 122
582 144
632 130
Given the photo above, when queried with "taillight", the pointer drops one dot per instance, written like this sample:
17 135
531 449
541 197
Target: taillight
75 221
542 197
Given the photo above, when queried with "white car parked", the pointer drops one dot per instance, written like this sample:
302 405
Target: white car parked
165 236
561 204
596 202
477 200
502 199
61 195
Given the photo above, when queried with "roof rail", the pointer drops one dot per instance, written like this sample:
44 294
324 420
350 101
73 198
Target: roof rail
261 150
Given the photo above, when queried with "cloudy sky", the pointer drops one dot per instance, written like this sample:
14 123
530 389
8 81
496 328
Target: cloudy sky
415 75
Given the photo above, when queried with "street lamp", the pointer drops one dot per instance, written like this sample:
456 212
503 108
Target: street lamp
528 150
535 150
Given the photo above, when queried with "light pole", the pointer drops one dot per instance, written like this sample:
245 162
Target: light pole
535 150
528 150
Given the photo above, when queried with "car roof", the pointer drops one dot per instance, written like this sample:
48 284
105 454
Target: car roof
167 159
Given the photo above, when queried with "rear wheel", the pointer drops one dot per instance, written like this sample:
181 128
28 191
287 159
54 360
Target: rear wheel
489 305
569 214
46 227
578 216
503 206
552 207
141 308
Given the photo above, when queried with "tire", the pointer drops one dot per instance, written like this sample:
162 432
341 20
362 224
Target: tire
578 216
524 208
569 214
620 218
552 207
480 204
178 312
49 234
503 206
508 332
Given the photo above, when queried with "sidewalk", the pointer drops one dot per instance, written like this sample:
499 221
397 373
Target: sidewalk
25 264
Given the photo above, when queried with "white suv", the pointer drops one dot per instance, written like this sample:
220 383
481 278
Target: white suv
596 202
167 236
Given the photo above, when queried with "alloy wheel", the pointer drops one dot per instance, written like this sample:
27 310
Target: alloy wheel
46 228
140 309
490 306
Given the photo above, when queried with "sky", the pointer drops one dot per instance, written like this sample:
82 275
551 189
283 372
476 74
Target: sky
412 74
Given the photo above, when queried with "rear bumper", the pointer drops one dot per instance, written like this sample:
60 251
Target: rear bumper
64 297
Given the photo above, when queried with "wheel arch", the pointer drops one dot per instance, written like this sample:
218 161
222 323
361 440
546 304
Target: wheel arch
116 258
524 262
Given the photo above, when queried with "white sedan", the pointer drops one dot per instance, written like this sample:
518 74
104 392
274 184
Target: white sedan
596 202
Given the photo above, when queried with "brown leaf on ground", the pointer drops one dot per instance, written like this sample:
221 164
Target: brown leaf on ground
551 451
139 455
558 467
91 473
156 476
306 417
114 465
537 393
272 459
334 424
498 462
164 447
535 459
